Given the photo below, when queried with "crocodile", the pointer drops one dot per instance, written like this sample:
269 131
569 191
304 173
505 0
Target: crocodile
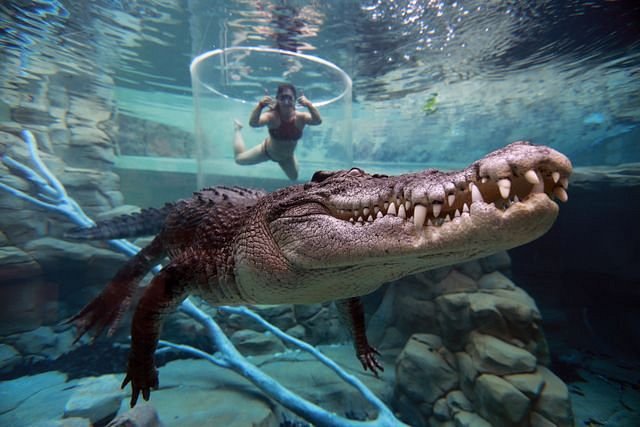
337 237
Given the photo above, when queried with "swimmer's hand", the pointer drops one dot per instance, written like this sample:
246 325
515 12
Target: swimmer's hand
304 101
266 100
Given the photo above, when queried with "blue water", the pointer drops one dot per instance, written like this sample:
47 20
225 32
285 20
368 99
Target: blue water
105 86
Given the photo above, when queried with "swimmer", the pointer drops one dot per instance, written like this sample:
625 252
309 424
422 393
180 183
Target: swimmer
285 126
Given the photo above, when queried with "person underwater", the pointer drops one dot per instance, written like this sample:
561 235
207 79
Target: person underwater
285 126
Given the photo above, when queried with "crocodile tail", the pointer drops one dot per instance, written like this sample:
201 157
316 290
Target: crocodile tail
147 222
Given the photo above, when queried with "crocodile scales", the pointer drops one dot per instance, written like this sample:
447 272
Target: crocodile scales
337 237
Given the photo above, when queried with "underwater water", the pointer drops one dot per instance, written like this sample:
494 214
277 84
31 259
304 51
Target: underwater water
130 105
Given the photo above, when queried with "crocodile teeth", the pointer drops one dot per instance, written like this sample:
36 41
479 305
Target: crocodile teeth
476 196
564 182
392 209
402 213
451 198
560 194
532 177
437 207
505 187
555 176
539 187
419 215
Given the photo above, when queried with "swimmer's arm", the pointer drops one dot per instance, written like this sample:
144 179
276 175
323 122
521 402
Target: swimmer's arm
258 118
313 116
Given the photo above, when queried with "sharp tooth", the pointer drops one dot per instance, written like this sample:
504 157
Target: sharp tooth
539 187
392 209
360 219
505 187
365 212
465 208
532 177
451 198
370 218
437 207
402 213
555 176
457 214
355 213
564 182
476 196
379 215
419 215
407 205
560 194
516 198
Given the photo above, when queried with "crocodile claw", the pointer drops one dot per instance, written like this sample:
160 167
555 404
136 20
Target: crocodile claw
97 316
143 378
369 360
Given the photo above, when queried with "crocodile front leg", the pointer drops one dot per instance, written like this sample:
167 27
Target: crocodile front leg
165 292
106 310
352 315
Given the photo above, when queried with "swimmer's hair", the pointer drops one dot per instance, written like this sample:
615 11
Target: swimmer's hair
285 86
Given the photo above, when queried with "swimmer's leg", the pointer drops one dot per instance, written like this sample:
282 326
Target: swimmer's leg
238 140
251 156
290 167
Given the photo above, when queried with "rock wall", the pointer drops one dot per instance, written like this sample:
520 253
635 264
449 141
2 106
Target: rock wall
476 354
63 93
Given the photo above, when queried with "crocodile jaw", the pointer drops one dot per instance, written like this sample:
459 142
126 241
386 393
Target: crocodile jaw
327 242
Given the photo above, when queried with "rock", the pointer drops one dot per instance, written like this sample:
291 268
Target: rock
471 269
467 372
454 318
470 419
142 415
280 315
95 398
251 342
441 410
33 301
9 358
27 400
486 316
530 384
425 370
43 342
457 401
297 331
537 420
65 422
495 356
498 261
306 311
554 403
500 402
455 282
495 280
414 315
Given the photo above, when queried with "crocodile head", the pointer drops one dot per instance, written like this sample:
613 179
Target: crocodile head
345 233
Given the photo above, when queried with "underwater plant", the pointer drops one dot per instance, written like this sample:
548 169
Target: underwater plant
51 195
430 106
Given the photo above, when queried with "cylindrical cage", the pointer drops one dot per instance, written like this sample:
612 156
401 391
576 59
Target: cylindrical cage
227 85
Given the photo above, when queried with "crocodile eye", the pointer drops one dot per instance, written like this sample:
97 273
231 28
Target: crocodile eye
355 172
320 176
